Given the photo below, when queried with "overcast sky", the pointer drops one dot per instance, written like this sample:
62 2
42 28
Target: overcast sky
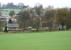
45 3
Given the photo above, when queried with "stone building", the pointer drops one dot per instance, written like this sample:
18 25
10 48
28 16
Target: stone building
2 22
12 25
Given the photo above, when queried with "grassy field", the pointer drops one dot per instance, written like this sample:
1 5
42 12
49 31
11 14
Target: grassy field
36 41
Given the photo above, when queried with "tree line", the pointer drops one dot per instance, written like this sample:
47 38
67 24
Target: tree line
13 6
39 17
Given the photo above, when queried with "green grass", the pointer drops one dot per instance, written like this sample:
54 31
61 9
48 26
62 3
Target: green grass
36 41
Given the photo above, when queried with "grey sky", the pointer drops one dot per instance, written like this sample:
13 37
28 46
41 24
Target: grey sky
45 3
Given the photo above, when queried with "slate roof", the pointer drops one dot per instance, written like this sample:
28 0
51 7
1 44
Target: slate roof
3 18
12 25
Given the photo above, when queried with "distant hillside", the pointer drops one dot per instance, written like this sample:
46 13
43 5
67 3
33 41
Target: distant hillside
5 12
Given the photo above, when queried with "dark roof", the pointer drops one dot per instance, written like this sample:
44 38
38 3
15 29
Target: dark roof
3 18
12 25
